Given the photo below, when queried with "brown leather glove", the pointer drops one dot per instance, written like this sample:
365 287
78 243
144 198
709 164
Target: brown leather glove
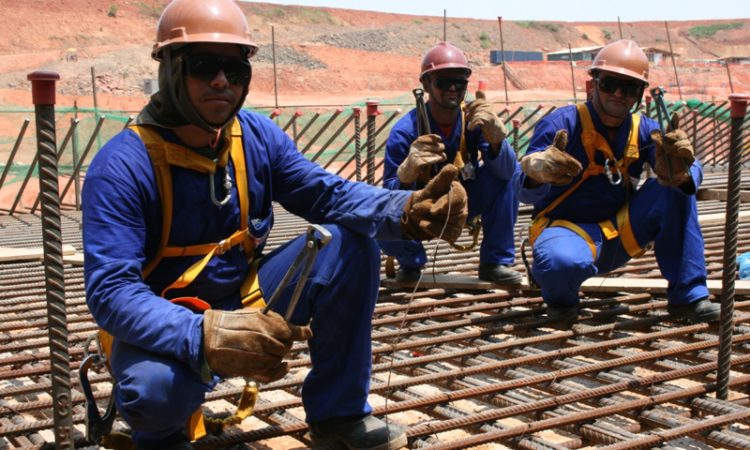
674 146
480 114
424 151
438 210
248 343
552 165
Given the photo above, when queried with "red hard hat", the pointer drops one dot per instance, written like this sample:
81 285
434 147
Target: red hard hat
193 21
444 56
623 57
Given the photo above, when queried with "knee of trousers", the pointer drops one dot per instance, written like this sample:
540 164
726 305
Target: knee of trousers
561 265
153 398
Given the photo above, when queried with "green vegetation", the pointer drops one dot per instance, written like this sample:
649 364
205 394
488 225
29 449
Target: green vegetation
112 10
708 31
315 16
148 10
607 35
552 27
585 37
484 40
416 22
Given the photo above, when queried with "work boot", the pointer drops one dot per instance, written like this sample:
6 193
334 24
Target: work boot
357 433
499 274
563 314
408 275
699 311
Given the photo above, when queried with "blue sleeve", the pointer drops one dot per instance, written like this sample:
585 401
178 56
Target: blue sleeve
119 201
307 190
504 164
397 148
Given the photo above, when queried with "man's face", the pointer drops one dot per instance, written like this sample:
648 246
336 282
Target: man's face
215 79
446 88
616 94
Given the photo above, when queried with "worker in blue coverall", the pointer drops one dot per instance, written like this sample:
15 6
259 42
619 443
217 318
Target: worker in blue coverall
471 137
178 207
581 172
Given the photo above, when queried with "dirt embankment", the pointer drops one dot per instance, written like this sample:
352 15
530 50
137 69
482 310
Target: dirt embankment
337 56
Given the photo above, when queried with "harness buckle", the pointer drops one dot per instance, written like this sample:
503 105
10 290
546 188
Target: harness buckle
223 246
608 164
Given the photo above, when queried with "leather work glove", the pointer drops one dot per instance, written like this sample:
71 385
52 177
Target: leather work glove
438 210
676 146
424 151
552 165
248 343
480 114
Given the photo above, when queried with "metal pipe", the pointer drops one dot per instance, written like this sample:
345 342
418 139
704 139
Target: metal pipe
729 76
731 224
674 65
43 95
502 54
572 74
273 58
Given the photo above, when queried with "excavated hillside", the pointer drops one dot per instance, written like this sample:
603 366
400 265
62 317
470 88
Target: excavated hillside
335 56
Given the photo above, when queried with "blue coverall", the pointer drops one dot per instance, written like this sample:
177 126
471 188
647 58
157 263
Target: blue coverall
666 216
492 193
158 349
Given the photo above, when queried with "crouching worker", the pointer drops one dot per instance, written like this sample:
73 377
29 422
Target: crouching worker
179 205
580 173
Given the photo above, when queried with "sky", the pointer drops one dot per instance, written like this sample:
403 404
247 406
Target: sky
553 10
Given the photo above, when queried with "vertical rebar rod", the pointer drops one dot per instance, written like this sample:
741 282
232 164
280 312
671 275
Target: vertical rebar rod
502 55
619 26
275 80
731 224
445 25
357 144
729 76
674 65
572 74
43 94
372 113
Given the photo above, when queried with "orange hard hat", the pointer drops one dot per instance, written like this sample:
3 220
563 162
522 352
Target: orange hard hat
194 21
623 57
444 56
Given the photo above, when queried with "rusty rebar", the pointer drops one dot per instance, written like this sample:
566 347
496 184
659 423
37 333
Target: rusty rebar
731 224
43 92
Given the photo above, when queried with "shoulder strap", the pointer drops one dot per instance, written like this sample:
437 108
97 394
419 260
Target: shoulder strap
164 154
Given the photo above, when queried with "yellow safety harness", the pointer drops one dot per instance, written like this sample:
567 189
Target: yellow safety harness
594 142
164 155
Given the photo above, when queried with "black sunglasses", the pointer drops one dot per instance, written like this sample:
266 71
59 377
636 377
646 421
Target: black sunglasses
610 85
445 83
205 67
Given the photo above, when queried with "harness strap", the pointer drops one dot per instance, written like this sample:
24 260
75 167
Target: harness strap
592 142
578 230
165 154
